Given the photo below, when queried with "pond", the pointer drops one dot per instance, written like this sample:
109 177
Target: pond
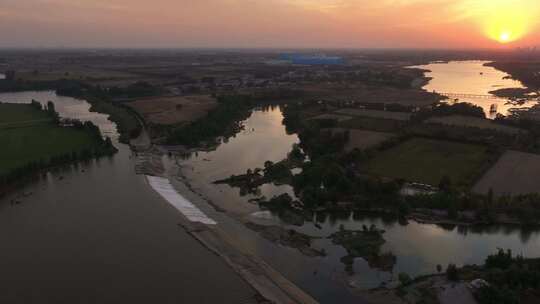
475 78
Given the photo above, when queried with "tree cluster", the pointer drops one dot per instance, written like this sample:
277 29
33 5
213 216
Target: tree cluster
225 120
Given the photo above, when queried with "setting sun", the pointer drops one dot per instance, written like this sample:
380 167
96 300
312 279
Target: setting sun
505 37
503 21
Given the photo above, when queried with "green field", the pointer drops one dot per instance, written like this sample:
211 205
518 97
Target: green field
27 135
16 114
428 161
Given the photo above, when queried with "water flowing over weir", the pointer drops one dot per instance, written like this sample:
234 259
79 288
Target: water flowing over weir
165 189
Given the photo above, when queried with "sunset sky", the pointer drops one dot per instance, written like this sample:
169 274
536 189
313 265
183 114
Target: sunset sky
270 23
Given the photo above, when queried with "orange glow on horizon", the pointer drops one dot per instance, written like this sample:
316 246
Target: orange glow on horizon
271 23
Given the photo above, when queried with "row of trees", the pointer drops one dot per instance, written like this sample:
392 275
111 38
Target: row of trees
54 161
445 109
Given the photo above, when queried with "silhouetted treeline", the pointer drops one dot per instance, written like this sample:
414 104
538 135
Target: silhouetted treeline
105 149
445 109
77 88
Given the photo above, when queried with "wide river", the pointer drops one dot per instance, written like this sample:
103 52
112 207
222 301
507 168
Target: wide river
98 231
473 78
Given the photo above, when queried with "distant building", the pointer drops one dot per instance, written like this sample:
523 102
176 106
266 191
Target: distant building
305 59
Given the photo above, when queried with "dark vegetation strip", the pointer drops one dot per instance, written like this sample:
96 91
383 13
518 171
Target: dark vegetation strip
223 121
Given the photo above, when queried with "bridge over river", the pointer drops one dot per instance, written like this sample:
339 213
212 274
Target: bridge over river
467 95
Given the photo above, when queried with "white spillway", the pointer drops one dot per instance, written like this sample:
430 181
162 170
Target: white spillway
165 189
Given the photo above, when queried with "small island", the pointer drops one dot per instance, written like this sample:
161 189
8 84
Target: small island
366 244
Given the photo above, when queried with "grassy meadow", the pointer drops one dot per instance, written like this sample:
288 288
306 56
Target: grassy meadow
428 161
28 135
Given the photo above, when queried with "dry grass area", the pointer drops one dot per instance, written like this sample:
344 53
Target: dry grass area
174 110
514 173
363 139
475 122
403 116
336 117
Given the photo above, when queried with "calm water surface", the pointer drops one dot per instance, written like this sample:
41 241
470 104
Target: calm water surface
472 77
97 233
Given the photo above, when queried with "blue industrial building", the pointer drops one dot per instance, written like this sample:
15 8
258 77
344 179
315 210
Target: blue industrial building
304 59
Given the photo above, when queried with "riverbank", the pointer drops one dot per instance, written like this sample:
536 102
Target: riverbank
129 125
